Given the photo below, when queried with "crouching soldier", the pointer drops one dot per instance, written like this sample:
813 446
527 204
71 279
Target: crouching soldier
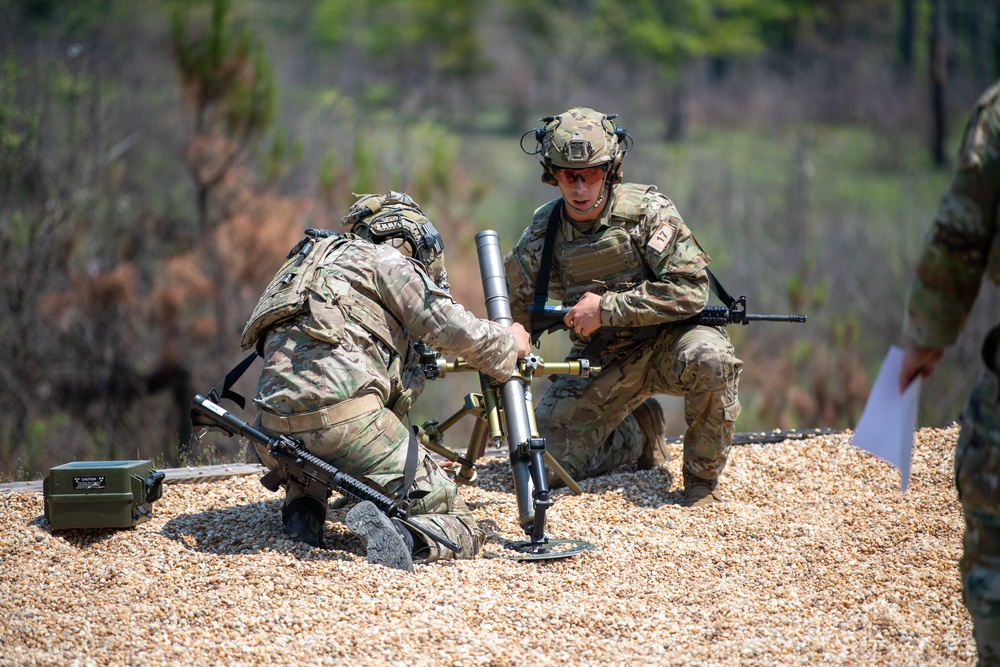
334 328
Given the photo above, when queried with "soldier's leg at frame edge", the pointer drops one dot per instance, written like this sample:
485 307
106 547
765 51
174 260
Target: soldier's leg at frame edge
700 364
977 471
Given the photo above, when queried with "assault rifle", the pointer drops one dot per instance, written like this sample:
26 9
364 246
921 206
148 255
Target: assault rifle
552 318
318 477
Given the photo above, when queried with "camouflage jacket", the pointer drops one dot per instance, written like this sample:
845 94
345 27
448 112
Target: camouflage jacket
964 242
303 372
639 256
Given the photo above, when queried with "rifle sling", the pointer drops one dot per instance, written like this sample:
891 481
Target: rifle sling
545 265
222 390
410 469
720 291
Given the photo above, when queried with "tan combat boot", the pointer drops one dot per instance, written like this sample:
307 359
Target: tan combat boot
653 426
699 492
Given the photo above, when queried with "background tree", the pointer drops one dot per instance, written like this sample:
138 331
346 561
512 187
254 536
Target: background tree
229 85
671 35
422 49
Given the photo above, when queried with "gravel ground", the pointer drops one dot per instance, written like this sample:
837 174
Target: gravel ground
815 559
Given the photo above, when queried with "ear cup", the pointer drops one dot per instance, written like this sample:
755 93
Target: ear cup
548 176
615 170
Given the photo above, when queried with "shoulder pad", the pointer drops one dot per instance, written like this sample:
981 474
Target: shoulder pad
630 200
981 129
990 96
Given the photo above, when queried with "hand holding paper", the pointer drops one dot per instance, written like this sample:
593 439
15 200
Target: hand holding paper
889 418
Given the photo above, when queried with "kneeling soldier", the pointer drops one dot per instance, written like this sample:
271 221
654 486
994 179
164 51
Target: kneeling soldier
334 329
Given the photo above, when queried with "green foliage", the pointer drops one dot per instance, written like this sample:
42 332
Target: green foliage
364 172
57 17
225 73
976 47
18 129
279 157
28 452
672 33
327 176
438 152
437 35
379 94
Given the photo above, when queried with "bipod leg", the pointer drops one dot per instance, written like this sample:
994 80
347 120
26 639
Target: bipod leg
540 495
467 473
563 475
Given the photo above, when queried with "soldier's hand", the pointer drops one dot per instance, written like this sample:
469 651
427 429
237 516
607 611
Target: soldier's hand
585 317
523 341
918 361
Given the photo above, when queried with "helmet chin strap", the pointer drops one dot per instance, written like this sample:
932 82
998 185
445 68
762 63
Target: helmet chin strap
600 200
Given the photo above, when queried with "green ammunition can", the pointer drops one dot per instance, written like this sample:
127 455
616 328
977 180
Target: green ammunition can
101 494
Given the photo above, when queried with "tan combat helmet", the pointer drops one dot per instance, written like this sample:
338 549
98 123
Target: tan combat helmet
580 138
395 219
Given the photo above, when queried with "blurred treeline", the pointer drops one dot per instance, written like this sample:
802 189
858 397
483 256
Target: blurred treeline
158 159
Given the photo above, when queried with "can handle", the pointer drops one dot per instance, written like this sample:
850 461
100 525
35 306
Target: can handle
154 485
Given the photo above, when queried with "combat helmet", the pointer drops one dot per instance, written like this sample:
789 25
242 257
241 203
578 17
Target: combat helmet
577 139
395 219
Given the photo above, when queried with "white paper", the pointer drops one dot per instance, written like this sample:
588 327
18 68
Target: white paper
889 418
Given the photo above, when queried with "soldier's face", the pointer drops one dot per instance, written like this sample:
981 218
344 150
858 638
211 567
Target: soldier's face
582 190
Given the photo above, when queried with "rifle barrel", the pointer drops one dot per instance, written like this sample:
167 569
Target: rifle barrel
776 318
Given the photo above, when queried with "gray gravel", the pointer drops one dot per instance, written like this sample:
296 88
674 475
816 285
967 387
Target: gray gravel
815 559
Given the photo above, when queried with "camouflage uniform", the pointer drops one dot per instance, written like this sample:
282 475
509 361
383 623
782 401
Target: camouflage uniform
650 270
963 245
325 356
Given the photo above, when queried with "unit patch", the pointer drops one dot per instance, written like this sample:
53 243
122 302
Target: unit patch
389 223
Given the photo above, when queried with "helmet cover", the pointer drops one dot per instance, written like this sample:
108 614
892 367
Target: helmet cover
580 138
394 218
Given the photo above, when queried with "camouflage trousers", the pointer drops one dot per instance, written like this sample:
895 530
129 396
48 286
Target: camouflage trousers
977 478
372 448
587 422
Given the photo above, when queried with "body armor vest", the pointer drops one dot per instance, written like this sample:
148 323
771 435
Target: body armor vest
605 261
312 286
